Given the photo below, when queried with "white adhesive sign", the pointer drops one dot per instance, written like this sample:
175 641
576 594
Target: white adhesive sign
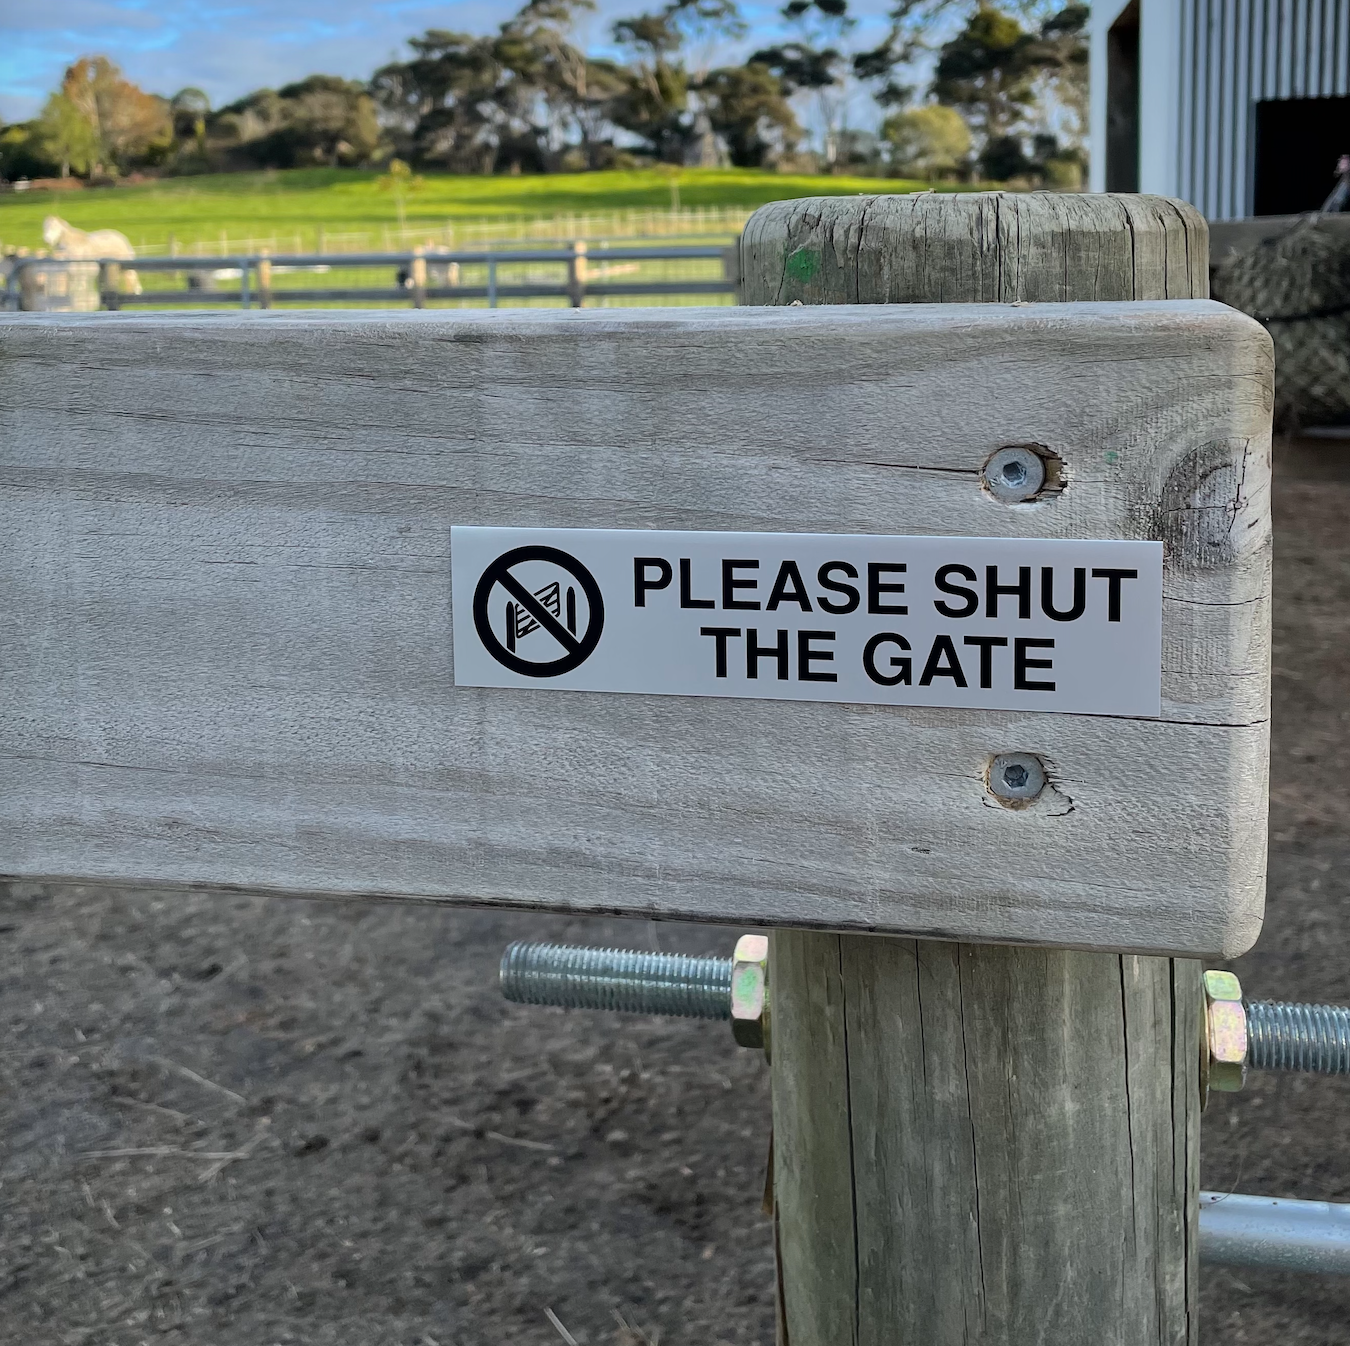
985 623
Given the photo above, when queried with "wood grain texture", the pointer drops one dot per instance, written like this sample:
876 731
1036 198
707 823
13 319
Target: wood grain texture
982 1144
996 1145
974 247
225 629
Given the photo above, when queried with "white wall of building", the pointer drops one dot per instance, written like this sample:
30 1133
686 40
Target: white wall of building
1160 95
1104 14
1204 65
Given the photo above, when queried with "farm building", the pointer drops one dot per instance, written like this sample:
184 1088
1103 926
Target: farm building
1241 107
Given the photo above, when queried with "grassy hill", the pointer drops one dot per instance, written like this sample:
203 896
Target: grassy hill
296 203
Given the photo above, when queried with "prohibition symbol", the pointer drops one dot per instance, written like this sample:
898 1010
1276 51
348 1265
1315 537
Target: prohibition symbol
550 610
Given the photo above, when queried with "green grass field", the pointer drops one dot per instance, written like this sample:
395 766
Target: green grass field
296 204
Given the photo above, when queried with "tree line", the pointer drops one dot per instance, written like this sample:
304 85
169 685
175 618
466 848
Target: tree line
1005 100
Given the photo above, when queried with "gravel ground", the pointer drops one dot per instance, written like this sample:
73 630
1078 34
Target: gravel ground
255 1121
1289 1135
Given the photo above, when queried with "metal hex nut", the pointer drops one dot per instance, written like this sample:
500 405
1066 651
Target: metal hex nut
1225 1031
750 990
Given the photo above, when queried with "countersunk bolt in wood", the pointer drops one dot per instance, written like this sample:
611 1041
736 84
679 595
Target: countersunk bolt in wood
576 977
1016 778
1014 474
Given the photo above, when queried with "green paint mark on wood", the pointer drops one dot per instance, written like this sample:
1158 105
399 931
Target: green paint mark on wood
803 264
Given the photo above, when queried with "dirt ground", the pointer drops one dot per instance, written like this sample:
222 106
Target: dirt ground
251 1121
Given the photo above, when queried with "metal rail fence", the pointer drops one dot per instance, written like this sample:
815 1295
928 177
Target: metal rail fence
420 276
707 224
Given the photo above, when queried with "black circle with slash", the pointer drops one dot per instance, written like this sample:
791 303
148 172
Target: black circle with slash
551 610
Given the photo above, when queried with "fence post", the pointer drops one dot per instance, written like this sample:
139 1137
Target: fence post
265 280
419 278
731 270
492 282
110 285
576 275
976 1143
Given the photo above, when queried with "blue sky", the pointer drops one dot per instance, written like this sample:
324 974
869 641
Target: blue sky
228 47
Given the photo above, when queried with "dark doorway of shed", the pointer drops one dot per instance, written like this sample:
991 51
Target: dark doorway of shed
1298 141
1122 101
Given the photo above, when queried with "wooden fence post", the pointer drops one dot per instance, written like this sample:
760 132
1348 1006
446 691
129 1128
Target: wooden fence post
576 275
981 1144
419 278
265 280
110 284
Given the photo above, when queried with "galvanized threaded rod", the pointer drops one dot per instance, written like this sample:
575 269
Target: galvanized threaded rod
617 979
1282 1036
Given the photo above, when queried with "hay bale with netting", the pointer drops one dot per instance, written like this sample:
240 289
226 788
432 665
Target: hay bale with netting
1298 285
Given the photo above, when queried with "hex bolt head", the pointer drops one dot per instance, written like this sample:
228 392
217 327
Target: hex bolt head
1225 1053
1016 778
750 991
1014 474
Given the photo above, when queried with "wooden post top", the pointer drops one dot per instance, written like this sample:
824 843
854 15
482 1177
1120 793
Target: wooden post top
974 247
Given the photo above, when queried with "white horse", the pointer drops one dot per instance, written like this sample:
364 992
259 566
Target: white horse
65 240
